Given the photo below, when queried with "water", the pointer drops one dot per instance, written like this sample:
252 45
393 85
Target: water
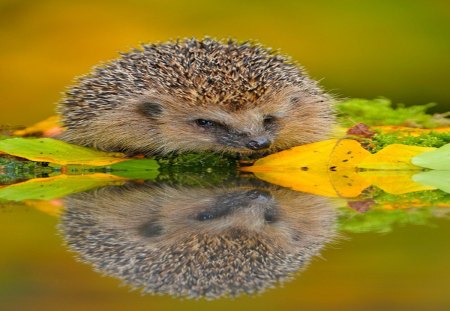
192 244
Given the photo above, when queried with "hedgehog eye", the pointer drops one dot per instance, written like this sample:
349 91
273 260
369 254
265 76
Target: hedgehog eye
205 216
268 120
205 123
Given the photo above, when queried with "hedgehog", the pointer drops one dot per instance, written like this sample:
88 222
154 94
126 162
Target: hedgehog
197 242
194 95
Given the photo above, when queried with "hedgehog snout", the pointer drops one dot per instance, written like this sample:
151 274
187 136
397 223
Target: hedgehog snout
258 143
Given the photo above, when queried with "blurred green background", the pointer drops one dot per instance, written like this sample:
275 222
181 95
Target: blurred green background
398 49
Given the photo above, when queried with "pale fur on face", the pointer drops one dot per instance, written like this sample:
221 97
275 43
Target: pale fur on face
298 117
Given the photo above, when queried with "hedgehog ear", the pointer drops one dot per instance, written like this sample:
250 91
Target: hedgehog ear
150 109
295 99
294 95
150 229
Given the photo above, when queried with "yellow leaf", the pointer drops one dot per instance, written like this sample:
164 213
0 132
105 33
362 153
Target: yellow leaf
394 182
304 181
313 156
48 127
326 168
342 168
347 154
394 157
330 168
321 156
348 183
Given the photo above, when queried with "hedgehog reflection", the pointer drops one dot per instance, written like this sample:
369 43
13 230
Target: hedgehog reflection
194 242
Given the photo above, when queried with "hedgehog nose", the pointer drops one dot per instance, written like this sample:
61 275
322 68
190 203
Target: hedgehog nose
262 196
259 143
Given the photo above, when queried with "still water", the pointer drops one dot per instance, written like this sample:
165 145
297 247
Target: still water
239 244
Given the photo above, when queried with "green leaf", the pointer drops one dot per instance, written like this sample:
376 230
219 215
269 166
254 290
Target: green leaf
438 179
131 169
438 159
56 151
136 169
56 187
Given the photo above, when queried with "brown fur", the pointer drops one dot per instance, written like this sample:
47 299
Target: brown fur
234 84
243 251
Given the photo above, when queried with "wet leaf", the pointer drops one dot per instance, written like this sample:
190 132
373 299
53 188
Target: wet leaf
326 155
56 151
437 179
438 159
311 156
56 187
342 172
47 128
325 168
304 181
394 182
394 157
330 168
346 155
303 168
136 169
347 184
132 169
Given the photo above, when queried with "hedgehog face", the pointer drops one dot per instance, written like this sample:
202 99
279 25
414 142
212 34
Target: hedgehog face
227 204
277 121
195 242
248 210
217 129
196 95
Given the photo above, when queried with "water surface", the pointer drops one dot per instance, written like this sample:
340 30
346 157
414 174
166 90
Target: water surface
242 243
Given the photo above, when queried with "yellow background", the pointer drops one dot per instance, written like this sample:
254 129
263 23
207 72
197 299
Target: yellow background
399 49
